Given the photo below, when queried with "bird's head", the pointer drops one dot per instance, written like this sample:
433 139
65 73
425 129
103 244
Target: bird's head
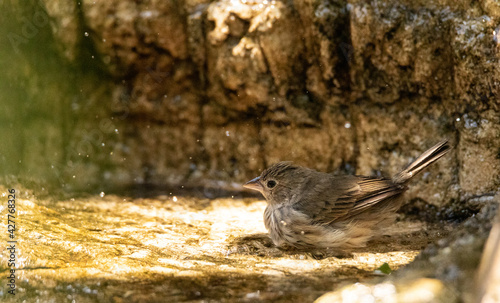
279 182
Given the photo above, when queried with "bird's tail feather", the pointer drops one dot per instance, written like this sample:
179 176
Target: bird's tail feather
424 160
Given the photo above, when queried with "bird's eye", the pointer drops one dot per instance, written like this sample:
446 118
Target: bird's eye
271 184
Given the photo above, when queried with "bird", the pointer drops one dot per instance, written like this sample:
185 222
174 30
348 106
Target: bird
307 209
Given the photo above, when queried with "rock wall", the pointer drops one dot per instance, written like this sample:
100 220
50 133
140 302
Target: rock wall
197 90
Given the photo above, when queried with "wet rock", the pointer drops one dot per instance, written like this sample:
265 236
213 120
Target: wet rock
478 152
252 56
355 87
136 146
125 32
290 144
475 53
399 51
327 48
234 151
387 144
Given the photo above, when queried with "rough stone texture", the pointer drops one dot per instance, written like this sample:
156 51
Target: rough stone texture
232 150
327 48
479 152
476 54
387 143
288 143
125 32
344 86
399 51
156 152
252 57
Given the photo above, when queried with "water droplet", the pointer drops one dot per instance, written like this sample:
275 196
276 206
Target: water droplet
174 198
347 125
86 34
227 133
102 194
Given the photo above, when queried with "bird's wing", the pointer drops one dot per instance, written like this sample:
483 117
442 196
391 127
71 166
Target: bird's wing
374 191
351 195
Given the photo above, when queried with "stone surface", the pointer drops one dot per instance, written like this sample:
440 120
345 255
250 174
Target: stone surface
344 86
156 152
478 152
388 149
476 53
401 75
399 51
233 151
252 56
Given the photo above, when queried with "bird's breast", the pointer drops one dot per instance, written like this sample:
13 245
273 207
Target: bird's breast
289 226
273 220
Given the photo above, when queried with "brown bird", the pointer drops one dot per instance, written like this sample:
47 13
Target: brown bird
310 209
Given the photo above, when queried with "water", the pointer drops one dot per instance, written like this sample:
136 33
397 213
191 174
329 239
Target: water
175 248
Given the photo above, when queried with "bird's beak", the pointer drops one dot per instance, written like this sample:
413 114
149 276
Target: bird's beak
254 184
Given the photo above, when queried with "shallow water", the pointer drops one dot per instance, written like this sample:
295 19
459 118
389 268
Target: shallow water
180 248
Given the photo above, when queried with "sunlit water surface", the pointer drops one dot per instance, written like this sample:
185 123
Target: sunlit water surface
110 248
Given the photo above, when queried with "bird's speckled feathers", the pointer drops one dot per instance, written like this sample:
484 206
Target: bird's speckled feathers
311 209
